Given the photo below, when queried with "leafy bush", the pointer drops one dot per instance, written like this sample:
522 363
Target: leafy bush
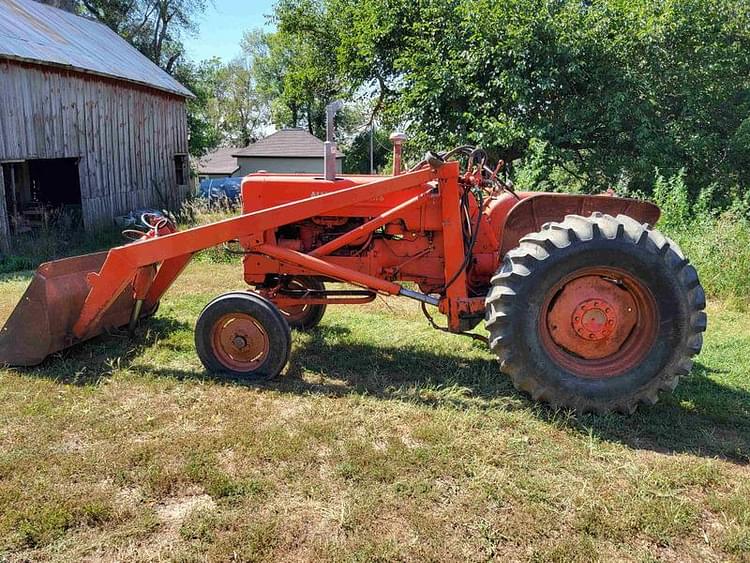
718 244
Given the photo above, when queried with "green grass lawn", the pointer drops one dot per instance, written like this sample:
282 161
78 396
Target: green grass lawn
383 440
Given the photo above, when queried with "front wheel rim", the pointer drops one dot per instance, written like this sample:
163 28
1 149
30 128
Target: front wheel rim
239 342
598 323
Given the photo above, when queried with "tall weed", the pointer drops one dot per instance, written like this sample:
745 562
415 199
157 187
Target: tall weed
61 240
718 244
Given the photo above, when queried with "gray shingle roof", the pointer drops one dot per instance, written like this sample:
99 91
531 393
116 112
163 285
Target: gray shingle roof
293 143
219 161
38 33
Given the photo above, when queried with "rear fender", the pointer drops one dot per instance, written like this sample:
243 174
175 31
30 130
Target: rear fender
530 213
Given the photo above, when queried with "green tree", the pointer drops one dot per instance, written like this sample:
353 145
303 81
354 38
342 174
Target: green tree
238 110
611 89
154 27
296 67
203 80
357 152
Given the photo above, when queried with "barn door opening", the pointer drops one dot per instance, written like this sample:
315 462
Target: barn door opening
17 193
55 181
41 192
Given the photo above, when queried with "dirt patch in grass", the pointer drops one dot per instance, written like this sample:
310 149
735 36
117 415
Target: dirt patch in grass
172 511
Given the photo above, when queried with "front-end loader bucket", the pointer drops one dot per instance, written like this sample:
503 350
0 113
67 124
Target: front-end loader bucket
42 322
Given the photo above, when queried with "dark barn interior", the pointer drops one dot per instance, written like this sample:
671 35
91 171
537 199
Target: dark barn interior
39 191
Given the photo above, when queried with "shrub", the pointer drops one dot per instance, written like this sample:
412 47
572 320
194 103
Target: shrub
718 244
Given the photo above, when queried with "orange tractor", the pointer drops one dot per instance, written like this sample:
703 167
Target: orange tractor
587 306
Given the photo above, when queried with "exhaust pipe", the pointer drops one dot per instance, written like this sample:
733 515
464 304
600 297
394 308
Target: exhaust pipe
329 151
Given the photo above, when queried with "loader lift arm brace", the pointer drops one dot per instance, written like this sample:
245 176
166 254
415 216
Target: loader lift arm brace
130 264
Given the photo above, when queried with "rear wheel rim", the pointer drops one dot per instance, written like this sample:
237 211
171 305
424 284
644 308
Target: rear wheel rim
598 322
239 342
296 313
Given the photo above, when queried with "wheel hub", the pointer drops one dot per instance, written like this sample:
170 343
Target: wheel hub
240 342
592 317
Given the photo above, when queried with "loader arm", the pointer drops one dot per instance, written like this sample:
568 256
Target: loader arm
173 251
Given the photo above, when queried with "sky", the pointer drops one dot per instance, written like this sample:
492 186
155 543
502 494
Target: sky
222 26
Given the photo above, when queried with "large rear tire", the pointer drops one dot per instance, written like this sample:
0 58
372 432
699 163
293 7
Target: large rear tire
244 336
596 313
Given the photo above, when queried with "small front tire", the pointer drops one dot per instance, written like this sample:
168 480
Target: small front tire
243 335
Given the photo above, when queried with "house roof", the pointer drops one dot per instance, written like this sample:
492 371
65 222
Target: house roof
287 143
37 33
219 161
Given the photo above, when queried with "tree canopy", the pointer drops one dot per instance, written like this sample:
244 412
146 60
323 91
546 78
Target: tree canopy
575 94
592 93
154 27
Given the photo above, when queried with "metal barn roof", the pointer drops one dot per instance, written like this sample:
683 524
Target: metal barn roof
37 33
287 143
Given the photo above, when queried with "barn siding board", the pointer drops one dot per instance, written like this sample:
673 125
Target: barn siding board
95 133
146 143
35 96
125 136
140 113
63 96
109 153
12 143
122 183
46 110
135 181
22 124
4 120
159 155
15 89
4 228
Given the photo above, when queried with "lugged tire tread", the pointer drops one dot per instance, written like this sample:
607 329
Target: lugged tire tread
519 263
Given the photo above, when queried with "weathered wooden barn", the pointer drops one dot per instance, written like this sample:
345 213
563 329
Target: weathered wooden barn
87 122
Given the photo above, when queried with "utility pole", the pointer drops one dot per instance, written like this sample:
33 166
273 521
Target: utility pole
372 147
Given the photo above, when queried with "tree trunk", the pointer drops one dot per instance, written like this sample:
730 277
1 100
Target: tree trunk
67 5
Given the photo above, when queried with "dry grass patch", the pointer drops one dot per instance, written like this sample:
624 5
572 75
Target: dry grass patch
383 440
